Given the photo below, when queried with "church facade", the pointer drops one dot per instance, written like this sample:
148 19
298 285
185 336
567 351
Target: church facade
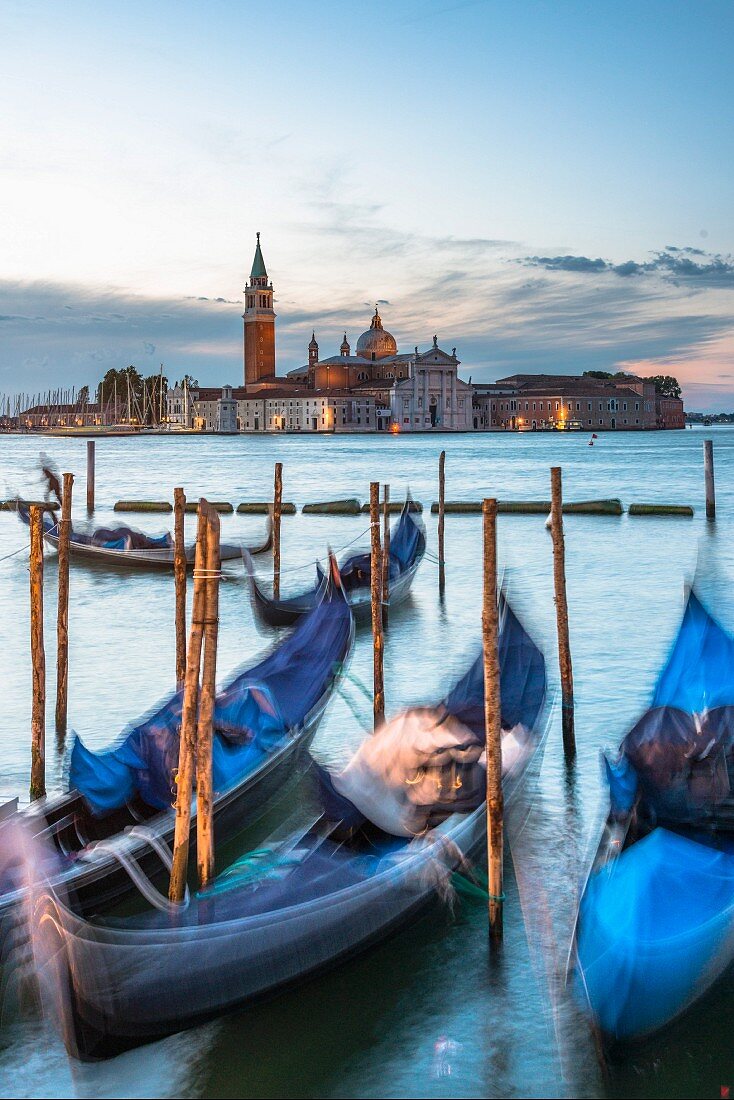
380 388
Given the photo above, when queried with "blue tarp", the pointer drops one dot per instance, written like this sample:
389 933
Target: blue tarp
252 716
522 680
656 928
699 673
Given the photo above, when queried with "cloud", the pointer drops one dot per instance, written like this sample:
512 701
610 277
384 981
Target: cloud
673 262
504 310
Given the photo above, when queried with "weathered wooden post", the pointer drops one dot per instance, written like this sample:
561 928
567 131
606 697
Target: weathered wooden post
708 467
441 520
204 733
277 503
375 587
179 574
493 723
38 658
90 475
187 744
564 645
385 554
62 626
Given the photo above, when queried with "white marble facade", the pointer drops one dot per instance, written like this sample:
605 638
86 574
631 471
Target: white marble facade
433 396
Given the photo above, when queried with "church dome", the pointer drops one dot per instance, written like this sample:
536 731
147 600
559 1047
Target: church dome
376 343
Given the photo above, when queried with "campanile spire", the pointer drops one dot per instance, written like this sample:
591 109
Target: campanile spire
259 323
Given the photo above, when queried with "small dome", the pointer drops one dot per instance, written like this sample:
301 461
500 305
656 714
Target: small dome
376 342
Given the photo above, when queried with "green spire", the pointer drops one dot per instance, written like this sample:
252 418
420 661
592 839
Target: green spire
258 264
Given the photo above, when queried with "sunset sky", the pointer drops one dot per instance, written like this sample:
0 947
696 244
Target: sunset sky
546 186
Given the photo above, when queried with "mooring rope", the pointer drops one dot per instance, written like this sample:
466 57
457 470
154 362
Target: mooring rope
18 551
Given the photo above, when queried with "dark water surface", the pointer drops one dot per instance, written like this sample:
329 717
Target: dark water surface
369 1028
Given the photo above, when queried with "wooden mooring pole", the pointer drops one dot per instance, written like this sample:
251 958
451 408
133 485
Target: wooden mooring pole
204 733
493 724
38 659
90 475
441 521
62 626
708 468
376 587
277 505
385 554
564 645
179 574
187 744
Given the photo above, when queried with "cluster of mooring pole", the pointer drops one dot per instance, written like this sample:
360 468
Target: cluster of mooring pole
708 470
378 641
277 509
492 721
564 645
179 574
195 748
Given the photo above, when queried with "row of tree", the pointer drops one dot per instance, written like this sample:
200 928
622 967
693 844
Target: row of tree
665 384
128 396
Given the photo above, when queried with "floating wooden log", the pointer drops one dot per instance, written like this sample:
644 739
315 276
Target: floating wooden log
349 507
143 506
263 508
660 510
45 505
395 507
610 507
221 506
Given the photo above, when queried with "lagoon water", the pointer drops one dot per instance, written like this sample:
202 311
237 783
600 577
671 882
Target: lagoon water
370 1027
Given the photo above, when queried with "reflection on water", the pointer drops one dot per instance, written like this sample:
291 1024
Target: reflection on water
381 1024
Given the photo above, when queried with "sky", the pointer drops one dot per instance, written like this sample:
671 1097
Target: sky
547 186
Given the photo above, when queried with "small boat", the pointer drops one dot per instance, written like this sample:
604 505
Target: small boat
407 547
118 812
655 927
306 901
126 546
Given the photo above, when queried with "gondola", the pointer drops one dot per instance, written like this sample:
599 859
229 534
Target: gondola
302 903
125 546
655 927
118 814
407 547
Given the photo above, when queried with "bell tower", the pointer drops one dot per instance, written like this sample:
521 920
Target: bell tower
259 324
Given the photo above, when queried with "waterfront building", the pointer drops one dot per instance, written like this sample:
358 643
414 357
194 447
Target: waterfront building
378 388
539 402
237 409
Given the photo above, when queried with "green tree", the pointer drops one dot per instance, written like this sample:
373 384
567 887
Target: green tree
83 396
189 382
665 385
601 374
